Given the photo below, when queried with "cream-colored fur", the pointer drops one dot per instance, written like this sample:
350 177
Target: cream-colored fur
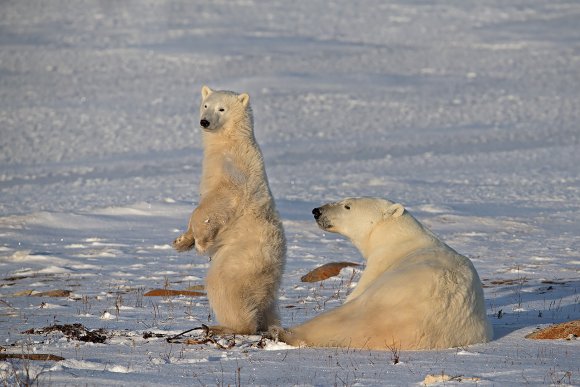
416 292
236 222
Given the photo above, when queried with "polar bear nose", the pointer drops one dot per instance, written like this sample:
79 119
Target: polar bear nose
204 123
316 212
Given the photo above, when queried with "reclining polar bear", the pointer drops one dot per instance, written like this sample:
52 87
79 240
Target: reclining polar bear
415 293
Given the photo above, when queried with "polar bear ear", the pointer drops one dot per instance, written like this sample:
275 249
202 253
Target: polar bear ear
205 91
244 99
394 211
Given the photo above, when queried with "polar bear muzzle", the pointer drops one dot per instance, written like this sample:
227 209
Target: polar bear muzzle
321 220
204 123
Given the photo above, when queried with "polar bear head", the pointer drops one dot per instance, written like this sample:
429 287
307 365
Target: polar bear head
224 111
355 218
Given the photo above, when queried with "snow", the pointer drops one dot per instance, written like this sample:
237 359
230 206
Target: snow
466 112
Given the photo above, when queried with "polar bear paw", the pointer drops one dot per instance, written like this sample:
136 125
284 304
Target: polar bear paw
279 334
184 242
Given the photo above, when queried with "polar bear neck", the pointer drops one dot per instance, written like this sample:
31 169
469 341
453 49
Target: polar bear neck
237 159
394 239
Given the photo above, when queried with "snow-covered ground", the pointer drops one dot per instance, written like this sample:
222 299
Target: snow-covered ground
467 112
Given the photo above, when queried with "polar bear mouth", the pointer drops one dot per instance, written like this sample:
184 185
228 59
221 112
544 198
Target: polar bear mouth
324 223
321 220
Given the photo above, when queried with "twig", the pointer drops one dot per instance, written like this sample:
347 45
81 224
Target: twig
204 327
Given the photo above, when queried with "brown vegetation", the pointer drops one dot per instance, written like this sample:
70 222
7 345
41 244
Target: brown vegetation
567 330
325 271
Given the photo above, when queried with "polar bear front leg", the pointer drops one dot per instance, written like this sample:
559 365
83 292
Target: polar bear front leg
213 213
205 228
200 233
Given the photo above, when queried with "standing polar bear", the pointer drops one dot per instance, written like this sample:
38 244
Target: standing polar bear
236 222
415 293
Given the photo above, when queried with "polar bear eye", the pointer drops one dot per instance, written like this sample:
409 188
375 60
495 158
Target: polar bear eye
222 109
347 206
205 106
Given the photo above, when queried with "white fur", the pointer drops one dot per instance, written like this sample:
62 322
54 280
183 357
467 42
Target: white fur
416 292
236 222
